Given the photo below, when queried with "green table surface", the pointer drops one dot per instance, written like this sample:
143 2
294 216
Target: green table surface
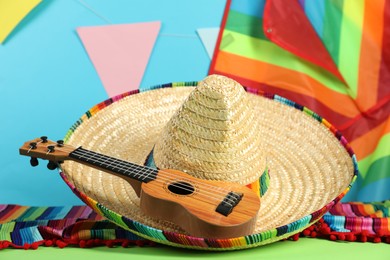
305 248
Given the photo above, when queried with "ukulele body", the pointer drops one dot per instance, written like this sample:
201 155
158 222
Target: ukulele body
193 207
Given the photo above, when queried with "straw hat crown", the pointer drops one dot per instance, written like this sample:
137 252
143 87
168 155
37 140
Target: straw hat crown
214 134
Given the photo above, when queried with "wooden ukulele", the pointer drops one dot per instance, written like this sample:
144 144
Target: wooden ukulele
211 209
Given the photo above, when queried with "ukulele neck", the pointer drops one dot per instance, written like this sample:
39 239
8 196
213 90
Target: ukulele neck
117 166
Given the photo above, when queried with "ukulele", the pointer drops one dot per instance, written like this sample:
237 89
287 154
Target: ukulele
203 208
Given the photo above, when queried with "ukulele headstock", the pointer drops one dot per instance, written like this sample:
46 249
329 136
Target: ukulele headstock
45 149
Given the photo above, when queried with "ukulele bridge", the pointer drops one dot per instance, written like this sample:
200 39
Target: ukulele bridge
229 202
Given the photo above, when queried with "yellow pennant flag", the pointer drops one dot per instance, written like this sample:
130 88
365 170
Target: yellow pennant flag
11 13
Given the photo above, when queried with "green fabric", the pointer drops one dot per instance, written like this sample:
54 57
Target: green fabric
330 36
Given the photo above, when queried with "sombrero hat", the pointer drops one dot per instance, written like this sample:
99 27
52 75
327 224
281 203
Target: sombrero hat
293 159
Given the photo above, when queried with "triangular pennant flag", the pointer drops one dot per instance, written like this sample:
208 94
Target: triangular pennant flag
209 39
11 13
120 53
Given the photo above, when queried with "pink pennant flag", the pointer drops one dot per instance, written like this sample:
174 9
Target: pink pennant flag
120 53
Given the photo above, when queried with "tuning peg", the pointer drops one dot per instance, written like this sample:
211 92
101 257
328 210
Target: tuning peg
44 139
34 161
52 165
50 148
33 145
60 143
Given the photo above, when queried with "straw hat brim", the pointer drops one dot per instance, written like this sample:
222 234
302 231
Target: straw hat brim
311 165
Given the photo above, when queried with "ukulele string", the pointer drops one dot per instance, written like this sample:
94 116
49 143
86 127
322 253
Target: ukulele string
161 178
161 172
31 147
164 176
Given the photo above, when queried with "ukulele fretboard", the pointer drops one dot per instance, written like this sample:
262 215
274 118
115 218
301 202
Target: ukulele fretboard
124 168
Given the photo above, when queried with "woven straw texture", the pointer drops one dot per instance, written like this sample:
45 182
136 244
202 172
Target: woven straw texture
214 135
309 167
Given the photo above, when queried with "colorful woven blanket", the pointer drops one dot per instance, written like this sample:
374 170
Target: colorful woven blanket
31 227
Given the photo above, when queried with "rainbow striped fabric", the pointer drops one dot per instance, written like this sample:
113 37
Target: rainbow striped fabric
30 227
333 57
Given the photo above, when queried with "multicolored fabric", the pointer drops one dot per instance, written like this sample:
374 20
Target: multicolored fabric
180 240
373 218
333 57
30 227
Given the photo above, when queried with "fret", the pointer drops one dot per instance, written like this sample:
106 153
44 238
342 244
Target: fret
121 167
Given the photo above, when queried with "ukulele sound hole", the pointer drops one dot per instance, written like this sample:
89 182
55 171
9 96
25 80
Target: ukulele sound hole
181 188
